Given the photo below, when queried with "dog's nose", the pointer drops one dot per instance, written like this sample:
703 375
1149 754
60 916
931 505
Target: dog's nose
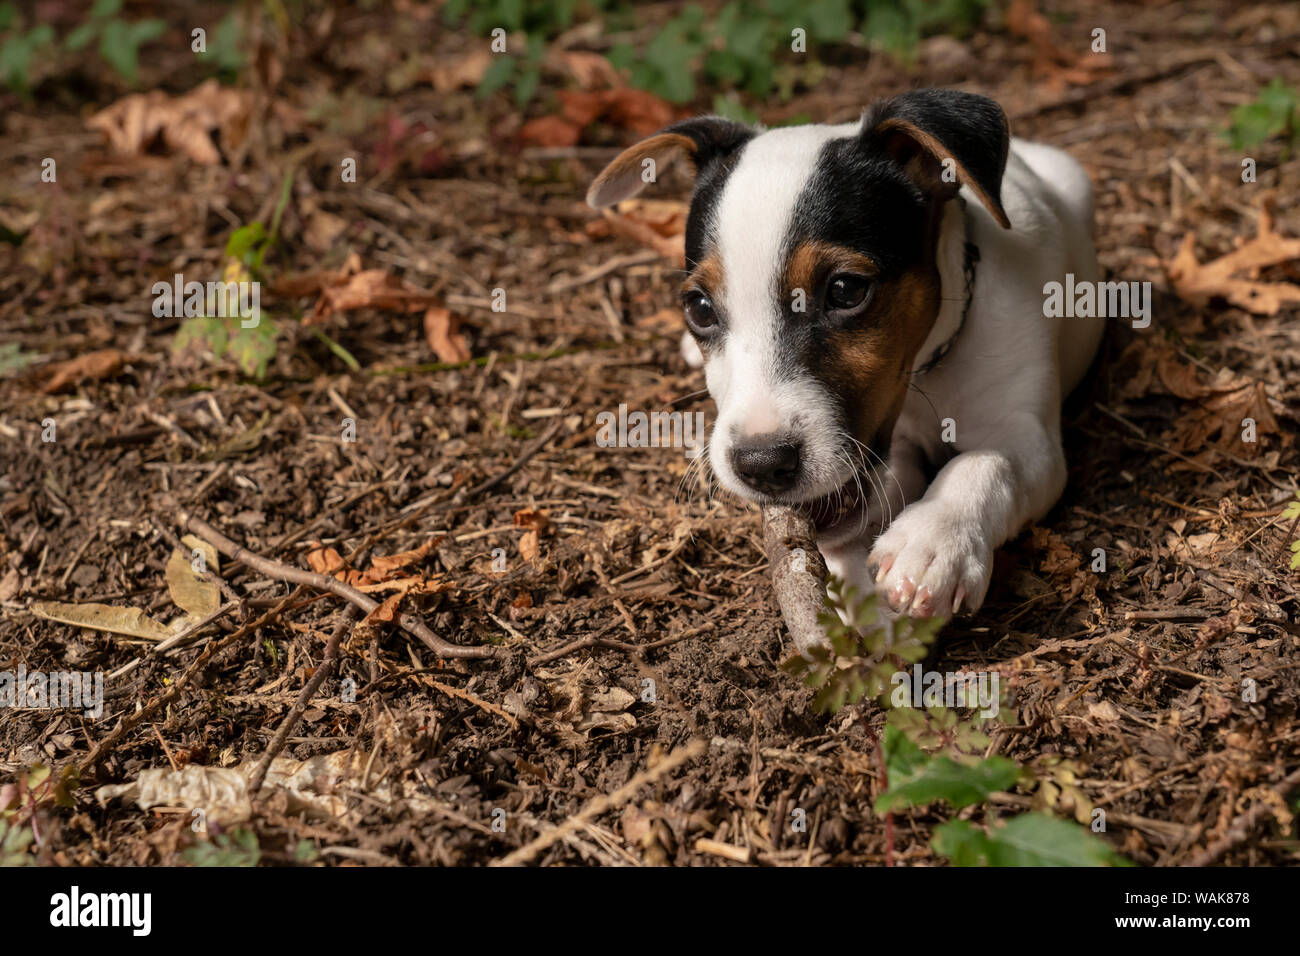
767 465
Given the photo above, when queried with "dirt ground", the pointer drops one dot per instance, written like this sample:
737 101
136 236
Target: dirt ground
1134 676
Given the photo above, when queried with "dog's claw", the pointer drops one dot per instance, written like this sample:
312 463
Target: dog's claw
900 596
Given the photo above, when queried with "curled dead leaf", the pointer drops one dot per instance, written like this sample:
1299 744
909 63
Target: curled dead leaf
90 367
659 224
180 124
1198 282
442 330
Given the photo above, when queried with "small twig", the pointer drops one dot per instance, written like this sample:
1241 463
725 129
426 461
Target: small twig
598 641
1169 614
524 457
304 698
478 702
148 710
610 265
284 572
604 802
164 646
1242 827
728 851
167 750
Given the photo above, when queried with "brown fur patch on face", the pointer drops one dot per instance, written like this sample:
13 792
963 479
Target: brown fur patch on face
813 261
707 276
867 368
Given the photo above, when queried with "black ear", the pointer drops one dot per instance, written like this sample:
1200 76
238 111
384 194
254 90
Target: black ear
944 139
702 140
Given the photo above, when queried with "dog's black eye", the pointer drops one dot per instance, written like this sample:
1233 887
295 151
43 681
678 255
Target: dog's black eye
700 314
845 292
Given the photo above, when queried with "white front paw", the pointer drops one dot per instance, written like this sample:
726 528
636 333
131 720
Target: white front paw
931 562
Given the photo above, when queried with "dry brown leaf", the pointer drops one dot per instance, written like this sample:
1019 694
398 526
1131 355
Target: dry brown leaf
189 592
417 584
532 519
659 224
324 560
530 545
636 110
383 566
1059 64
464 72
181 124
312 787
323 230
386 611
131 621
1198 282
368 289
550 132
1061 563
590 70
84 368
442 330
1222 415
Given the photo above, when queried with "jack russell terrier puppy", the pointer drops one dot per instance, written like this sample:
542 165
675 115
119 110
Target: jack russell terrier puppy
867 302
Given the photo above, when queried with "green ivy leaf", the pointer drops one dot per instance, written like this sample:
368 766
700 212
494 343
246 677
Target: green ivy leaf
1030 839
239 848
942 778
496 76
120 42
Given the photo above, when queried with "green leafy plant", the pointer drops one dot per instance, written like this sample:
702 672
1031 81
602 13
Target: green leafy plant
13 359
237 848
540 22
253 348
1292 513
932 755
14 843
119 40
18 47
19 803
746 46
225 53
1273 113
1030 839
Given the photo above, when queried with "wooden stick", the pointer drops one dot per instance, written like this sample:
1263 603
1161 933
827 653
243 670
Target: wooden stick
798 573
304 698
728 851
602 803
321 582
1244 825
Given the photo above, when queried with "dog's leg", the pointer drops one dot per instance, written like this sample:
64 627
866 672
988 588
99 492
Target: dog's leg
938 554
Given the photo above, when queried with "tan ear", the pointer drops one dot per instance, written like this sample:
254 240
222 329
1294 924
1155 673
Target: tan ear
635 167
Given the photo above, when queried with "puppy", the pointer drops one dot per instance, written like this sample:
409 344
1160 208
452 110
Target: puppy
867 300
